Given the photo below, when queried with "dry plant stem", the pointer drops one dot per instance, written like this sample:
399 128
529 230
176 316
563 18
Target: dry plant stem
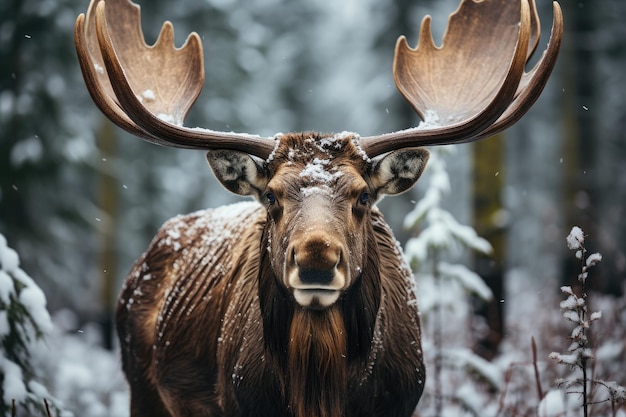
584 384
47 407
585 394
583 313
14 408
536 369
507 380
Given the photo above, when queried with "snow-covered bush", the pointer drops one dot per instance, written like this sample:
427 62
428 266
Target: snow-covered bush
69 370
24 319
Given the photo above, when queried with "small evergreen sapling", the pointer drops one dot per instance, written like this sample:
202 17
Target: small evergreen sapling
445 288
23 320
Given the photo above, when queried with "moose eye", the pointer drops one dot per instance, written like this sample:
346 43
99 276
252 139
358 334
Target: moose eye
271 198
364 198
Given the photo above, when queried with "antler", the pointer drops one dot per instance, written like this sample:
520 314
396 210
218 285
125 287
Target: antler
472 87
148 90
475 85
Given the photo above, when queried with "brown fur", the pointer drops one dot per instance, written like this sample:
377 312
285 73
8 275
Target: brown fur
318 377
207 326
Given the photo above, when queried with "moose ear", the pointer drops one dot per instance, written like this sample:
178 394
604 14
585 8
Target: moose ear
397 171
238 172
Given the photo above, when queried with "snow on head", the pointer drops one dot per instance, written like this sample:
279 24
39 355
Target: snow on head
320 170
317 171
308 191
355 138
276 145
322 180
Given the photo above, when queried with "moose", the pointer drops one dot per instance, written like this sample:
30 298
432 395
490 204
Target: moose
298 303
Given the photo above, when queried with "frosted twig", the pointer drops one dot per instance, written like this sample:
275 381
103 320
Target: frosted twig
579 354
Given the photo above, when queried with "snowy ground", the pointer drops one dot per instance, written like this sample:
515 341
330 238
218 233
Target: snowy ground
86 378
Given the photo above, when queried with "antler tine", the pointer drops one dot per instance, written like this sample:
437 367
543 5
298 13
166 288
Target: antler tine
93 68
149 89
96 81
532 82
475 83
535 30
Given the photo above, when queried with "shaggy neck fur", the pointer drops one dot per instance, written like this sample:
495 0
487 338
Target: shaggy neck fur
317 361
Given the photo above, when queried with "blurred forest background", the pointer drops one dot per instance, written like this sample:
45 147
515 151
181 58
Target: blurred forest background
80 199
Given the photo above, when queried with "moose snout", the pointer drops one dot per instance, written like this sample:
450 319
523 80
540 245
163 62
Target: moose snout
316 270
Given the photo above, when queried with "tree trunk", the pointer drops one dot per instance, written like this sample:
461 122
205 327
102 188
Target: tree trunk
488 180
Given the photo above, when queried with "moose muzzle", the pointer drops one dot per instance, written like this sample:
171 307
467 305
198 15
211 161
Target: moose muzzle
316 269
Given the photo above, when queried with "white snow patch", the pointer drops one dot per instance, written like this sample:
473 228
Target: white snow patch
35 302
356 140
593 259
33 298
99 69
170 119
272 155
576 238
431 120
571 359
316 170
148 95
335 141
6 287
9 261
443 231
308 191
466 358
610 351
552 405
13 382
471 281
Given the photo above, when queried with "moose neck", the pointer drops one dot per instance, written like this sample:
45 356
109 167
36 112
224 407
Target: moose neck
318 351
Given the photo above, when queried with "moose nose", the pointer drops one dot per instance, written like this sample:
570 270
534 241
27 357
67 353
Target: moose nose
317 259
316 270
314 276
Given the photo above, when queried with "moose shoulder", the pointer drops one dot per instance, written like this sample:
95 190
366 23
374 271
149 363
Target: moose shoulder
300 301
